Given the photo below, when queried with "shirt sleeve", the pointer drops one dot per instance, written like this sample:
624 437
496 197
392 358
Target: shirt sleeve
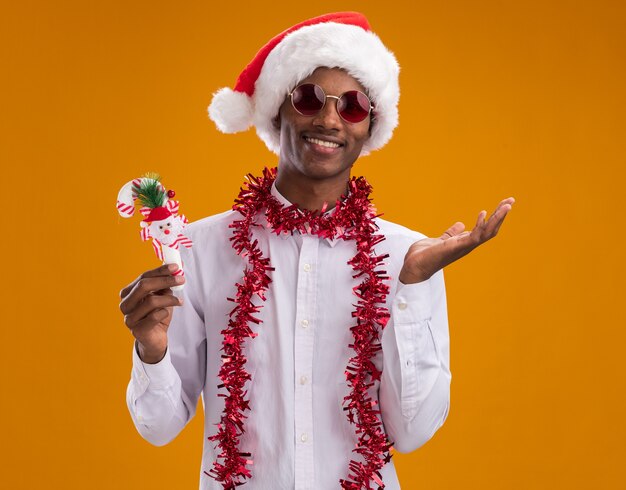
162 397
414 390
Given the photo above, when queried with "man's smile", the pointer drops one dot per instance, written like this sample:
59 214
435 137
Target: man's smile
322 144
327 144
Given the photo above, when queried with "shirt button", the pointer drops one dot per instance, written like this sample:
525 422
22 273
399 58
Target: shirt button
304 323
139 418
307 267
304 437
402 306
303 380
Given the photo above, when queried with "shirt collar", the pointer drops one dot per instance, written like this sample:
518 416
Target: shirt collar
285 202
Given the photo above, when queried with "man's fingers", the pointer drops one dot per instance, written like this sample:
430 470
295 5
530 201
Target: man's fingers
454 230
496 219
153 318
501 220
505 204
480 221
486 229
164 270
148 305
145 286
503 207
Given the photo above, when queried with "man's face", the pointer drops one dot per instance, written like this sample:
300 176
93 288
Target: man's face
301 149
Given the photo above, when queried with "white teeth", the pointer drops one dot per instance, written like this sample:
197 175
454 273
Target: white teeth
327 144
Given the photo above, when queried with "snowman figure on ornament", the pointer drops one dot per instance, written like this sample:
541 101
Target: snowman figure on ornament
161 222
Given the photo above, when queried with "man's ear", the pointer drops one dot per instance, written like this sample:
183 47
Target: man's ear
276 122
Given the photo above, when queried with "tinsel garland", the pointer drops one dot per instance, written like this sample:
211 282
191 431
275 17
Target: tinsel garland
352 219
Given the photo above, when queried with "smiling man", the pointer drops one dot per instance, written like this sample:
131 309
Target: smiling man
316 332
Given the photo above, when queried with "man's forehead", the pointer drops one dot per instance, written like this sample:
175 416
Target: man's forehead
333 74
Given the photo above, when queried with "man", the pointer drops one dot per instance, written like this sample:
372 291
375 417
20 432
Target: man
333 344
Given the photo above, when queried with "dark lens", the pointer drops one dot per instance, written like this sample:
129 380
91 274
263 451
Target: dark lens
353 106
308 99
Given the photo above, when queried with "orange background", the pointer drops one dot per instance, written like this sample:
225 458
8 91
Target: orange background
498 98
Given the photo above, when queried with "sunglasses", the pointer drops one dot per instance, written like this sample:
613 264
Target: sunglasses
309 99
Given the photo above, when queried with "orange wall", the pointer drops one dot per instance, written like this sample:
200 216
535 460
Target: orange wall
498 98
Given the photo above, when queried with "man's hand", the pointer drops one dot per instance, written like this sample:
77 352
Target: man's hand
147 305
429 255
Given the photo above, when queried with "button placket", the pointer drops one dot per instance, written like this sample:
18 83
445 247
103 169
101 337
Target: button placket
303 360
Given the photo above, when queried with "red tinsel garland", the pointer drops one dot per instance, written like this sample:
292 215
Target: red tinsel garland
352 219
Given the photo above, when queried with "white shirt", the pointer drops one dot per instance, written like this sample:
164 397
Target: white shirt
296 430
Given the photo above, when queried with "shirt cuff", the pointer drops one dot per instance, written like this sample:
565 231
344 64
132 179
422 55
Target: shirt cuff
412 303
159 376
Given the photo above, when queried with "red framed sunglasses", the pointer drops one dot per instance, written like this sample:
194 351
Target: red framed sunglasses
309 99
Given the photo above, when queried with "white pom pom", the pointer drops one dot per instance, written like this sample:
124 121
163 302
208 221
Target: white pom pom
231 111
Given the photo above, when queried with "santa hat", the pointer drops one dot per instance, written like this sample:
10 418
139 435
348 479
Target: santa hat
158 214
341 40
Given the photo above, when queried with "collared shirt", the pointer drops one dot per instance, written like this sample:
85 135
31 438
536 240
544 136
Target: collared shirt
297 430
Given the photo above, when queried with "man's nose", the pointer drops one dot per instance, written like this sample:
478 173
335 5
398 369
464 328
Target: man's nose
328 117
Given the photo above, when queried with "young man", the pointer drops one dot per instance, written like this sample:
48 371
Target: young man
333 342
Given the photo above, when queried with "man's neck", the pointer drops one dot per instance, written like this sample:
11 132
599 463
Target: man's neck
312 194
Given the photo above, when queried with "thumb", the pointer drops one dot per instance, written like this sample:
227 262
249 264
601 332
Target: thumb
454 230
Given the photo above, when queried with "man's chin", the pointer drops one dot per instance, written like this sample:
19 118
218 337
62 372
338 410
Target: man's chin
322 170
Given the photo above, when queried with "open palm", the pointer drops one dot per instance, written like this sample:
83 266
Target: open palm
427 256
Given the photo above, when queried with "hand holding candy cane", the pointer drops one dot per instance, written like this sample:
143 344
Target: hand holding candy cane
162 222
147 305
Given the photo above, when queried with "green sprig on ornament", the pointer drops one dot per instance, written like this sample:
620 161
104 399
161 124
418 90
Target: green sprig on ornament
150 192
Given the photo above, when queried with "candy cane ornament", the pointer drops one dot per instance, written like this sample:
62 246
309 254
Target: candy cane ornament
161 222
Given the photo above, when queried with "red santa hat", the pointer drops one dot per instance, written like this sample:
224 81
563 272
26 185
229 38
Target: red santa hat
157 214
343 40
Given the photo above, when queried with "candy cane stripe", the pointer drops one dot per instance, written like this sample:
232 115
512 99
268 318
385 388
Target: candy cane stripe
172 206
125 208
157 248
182 240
